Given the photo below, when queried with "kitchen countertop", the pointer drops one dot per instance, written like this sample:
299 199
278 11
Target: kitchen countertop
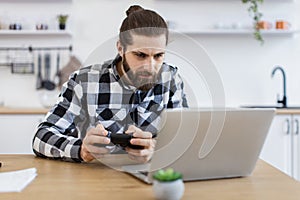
17 111
287 111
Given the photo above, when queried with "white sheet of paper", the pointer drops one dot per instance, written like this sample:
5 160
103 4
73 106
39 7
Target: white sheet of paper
16 181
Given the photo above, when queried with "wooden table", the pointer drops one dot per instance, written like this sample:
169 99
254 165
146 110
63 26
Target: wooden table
64 180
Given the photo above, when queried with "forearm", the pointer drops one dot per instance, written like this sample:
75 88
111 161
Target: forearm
55 145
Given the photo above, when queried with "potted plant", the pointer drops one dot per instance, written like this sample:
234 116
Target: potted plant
62 20
168 184
256 15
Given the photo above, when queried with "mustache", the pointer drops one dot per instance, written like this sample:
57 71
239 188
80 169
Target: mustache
145 73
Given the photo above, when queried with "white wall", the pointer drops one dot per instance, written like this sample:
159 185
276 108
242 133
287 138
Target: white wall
243 64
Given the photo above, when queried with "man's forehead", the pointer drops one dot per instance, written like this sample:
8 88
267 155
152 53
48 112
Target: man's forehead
141 42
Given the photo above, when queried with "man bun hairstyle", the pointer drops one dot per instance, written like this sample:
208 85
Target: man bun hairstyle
141 21
133 8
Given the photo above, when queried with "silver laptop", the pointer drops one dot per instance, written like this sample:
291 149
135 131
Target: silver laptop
207 144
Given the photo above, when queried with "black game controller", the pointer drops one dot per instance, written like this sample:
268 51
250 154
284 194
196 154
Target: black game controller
123 140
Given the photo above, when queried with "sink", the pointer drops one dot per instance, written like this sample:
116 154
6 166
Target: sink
271 106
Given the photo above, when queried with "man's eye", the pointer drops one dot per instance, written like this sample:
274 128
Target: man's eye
158 56
140 55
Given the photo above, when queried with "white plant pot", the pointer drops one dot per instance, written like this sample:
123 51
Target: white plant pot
168 190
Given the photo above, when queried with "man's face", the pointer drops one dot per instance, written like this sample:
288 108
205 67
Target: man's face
143 60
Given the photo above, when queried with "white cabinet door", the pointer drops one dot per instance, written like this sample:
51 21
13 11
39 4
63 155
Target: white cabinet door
296 147
17 132
277 149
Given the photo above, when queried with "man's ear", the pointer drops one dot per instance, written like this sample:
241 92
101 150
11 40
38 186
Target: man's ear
120 48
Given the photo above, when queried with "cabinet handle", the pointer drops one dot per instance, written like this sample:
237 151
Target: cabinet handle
297 126
288 126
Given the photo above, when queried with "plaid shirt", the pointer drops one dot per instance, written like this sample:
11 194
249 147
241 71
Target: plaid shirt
96 94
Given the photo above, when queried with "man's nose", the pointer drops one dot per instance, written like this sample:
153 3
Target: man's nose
150 63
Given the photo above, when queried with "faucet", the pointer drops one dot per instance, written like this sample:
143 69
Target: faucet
283 101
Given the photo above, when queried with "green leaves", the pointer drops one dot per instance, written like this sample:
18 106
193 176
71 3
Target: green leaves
167 175
258 36
62 19
256 15
246 1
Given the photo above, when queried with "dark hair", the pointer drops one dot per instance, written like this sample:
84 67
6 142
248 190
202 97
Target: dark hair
141 22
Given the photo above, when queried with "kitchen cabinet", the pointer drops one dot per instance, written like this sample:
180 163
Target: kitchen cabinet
282 145
17 131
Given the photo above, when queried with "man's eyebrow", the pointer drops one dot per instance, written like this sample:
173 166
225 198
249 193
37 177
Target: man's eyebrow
140 52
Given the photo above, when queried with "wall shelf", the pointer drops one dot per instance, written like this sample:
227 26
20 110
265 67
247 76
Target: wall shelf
237 32
36 1
35 33
266 1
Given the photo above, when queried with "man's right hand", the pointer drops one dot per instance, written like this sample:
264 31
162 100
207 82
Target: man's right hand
96 135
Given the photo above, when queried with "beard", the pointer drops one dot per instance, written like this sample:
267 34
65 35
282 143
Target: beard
142 79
